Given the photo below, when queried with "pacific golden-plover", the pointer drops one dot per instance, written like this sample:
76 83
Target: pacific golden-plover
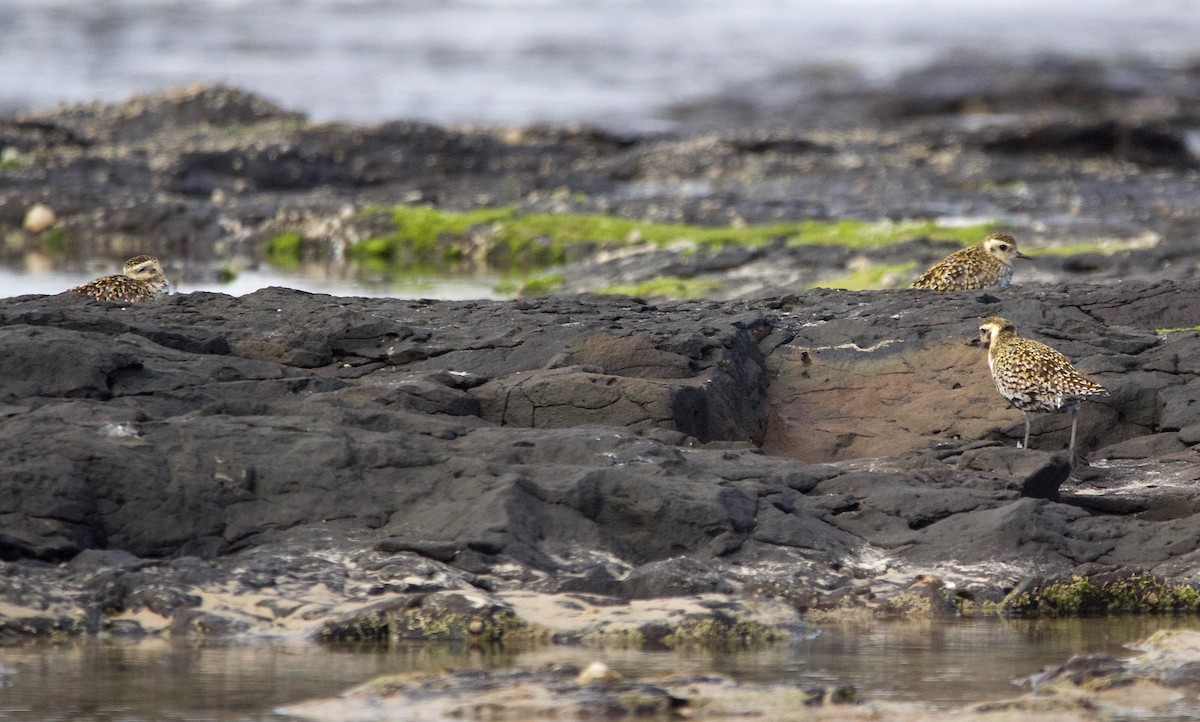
143 279
980 266
1033 376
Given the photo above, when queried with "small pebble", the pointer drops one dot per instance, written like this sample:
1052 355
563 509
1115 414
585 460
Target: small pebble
598 672
39 217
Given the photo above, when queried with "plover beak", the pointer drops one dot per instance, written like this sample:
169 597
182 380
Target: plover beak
1022 255
974 342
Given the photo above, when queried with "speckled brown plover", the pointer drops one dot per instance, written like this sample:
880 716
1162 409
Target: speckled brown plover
984 265
143 279
1033 376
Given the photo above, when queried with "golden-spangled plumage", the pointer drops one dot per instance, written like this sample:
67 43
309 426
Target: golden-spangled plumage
1033 376
143 279
980 266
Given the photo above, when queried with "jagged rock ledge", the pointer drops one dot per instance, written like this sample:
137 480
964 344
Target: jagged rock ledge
585 468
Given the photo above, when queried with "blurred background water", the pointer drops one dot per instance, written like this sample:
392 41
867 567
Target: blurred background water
615 62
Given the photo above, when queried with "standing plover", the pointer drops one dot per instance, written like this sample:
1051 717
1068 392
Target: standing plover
143 279
1033 376
981 266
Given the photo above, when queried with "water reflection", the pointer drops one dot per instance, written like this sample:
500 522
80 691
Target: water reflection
38 274
944 663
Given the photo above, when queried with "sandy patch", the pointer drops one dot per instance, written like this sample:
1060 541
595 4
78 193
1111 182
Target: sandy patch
582 614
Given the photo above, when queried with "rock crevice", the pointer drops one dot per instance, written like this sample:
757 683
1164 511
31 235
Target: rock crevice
791 449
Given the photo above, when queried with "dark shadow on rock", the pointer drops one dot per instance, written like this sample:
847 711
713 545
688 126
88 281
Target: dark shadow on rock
1154 144
1040 473
673 578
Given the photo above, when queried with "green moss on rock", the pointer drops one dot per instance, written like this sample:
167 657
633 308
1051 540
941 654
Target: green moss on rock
446 617
719 630
10 158
665 287
1178 329
374 626
283 250
1104 247
622 639
539 285
506 238
57 242
443 624
49 627
1078 596
877 276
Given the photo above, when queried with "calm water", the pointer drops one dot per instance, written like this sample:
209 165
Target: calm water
946 664
616 62
18 280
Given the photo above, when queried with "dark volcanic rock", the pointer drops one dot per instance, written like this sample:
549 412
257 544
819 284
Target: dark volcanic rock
1152 145
386 448
962 83
911 374
1040 474
710 386
680 577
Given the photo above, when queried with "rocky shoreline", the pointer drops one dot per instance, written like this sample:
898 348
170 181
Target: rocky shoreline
596 469
416 460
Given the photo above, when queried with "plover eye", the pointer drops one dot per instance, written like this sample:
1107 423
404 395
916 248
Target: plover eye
1003 246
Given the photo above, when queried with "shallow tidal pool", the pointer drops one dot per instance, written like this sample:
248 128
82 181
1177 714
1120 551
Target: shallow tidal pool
945 663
